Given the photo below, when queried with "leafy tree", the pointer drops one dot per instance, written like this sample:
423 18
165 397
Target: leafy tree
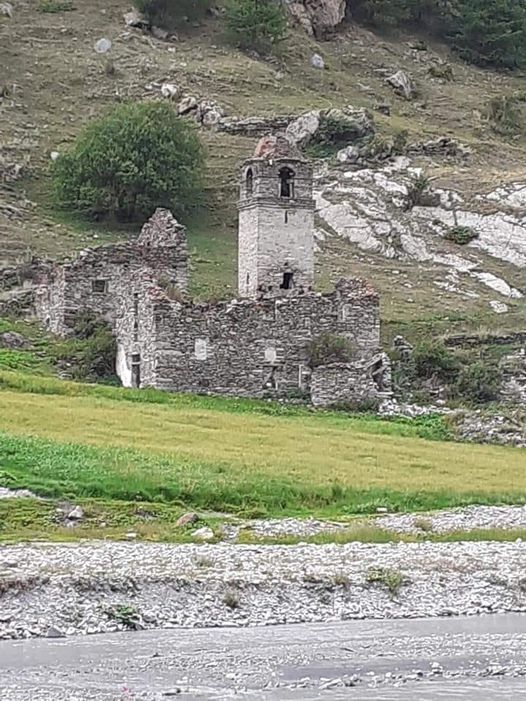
124 165
491 32
256 25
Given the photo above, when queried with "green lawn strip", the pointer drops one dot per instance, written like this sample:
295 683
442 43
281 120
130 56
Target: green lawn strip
73 471
430 427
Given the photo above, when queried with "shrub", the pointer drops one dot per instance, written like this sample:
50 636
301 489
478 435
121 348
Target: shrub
337 132
461 235
256 25
389 578
432 359
91 352
478 382
504 113
329 348
415 191
134 159
170 14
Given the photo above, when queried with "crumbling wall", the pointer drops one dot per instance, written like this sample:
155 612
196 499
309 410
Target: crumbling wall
246 347
98 278
340 384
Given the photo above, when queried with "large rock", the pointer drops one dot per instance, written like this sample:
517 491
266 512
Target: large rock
318 17
353 123
13 340
302 129
402 84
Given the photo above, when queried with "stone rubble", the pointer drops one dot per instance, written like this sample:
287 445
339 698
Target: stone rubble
447 521
95 587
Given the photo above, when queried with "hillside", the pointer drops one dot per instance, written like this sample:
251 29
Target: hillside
55 82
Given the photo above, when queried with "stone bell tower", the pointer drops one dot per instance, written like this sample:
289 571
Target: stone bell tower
276 222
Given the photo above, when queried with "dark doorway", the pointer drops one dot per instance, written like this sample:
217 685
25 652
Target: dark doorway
286 182
288 281
136 370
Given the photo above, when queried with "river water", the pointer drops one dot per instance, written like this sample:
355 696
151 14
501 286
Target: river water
479 658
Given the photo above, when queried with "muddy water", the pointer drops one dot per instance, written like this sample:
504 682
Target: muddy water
415 660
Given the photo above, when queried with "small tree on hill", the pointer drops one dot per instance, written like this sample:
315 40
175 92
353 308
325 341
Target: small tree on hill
255 25
124 165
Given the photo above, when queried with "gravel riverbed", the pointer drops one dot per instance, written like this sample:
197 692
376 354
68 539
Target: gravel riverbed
66 589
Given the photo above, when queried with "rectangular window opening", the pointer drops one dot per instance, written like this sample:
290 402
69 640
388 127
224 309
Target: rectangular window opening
99 286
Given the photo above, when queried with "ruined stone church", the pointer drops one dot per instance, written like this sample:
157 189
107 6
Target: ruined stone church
256 345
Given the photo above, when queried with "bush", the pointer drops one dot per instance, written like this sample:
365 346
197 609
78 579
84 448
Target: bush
432 359
329 348
170 14
255 25
91 353
478 382
134 159
415 191
461 235
504 113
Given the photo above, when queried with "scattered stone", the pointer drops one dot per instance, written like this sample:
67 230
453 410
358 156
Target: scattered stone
54 632
76 514
14 340
169 90
6 9
498 307
187 104
383 108
54 155
135 19
102 46
131 535
402 84
317 62
186 519
204 533
6 493
70 587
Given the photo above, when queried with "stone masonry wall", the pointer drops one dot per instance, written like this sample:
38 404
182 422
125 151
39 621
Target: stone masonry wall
338 384
245 347
98 279
276 233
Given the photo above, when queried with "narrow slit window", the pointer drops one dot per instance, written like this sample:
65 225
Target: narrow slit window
250 182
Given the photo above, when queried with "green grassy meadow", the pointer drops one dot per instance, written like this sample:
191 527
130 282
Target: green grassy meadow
68 440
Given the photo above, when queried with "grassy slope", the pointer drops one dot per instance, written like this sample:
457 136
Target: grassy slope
231 455
61 84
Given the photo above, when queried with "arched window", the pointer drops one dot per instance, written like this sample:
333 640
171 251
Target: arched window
250 182
286 182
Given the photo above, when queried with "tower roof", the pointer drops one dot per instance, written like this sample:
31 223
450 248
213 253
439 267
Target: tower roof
276 146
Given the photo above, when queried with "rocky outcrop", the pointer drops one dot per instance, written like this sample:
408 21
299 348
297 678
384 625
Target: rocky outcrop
367 206
319 18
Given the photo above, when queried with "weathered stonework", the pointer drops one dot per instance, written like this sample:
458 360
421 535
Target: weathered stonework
338 384
243 347
99 278
253 346
276 222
